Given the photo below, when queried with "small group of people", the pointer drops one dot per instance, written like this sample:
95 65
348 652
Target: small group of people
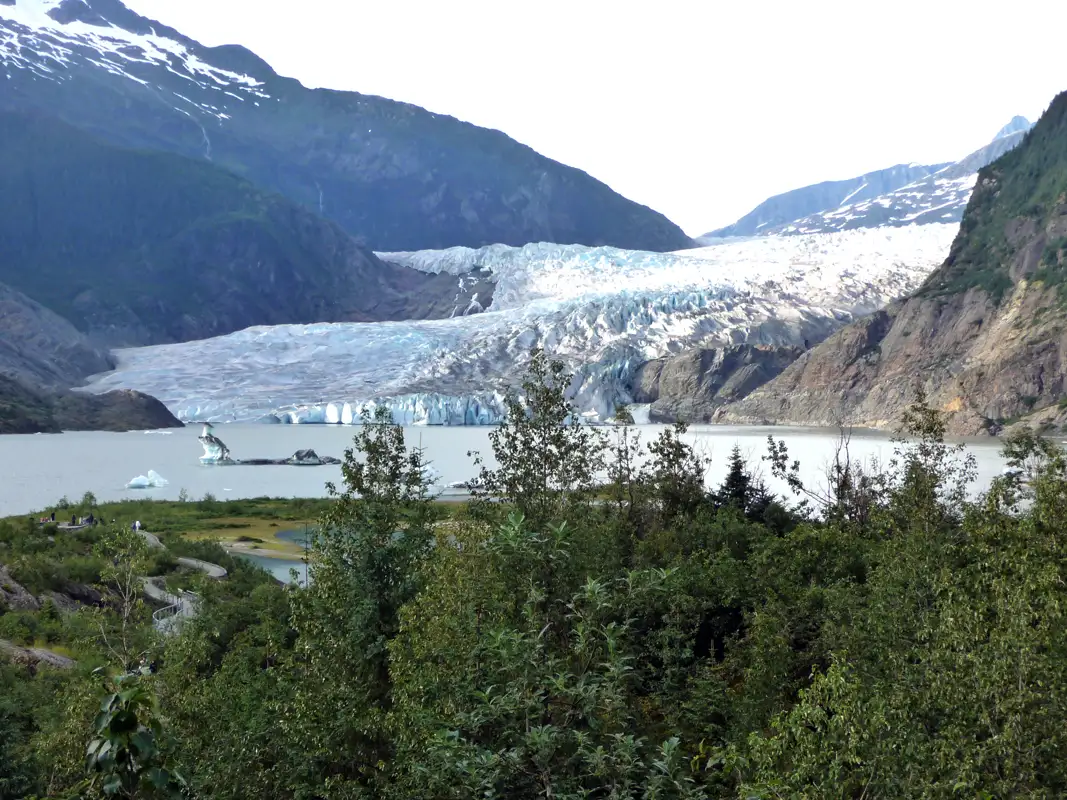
75 520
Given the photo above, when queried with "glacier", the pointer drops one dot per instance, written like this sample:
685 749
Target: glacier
601 310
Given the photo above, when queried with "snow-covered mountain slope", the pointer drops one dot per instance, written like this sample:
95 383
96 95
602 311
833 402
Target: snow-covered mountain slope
392 174
782 209
602 310
899 196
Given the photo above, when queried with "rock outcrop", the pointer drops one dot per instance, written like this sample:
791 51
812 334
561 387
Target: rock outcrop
34 657
691 386
13 596
985 338
40 347
26 409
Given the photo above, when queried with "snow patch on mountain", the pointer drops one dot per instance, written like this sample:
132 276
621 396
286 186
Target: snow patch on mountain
33 39
602 310
938 193
934 199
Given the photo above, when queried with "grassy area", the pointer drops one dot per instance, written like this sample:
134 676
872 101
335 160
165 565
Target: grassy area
253 535
240 526
52 647
249 526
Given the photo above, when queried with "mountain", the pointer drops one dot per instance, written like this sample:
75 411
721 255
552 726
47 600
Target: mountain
39 347
395 175
27 409
898 196
779 211
137 247
985 336
604 311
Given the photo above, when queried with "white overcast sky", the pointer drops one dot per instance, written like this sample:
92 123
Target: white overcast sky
699 109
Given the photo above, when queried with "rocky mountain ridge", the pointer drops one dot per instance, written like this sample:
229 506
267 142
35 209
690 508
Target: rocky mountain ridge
984 338
396 176
911 194
37 346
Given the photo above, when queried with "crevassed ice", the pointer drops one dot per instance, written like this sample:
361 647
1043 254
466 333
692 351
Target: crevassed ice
604 311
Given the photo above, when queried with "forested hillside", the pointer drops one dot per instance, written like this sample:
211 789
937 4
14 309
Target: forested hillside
137 247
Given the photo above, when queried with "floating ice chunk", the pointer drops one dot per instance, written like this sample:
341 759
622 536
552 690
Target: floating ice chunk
153 480
215 450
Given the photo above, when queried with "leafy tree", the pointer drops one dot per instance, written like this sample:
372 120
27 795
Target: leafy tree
122 621
547 461
127 757
623 415
365 565
674 474
513 691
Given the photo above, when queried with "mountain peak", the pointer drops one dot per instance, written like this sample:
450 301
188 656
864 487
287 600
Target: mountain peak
1017 125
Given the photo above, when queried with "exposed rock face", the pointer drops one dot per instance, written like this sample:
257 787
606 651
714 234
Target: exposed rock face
400 177
986 336
13 597
119 410
692 385
40 347
24 409
34 657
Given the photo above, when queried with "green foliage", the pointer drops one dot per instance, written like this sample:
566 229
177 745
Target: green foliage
123 621
546 460
892 635
1024 187
364 569
126 758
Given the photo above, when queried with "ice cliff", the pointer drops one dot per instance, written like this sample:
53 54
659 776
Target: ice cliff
602 310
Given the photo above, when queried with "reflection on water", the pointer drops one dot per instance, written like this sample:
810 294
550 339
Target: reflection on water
280 568
302 537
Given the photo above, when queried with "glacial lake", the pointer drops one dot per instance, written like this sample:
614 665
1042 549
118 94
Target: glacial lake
40 469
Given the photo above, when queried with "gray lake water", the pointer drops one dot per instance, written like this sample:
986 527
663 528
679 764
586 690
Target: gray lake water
37 470
280 568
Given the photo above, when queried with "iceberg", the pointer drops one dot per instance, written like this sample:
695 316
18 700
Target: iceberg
602 311
215 452
153 480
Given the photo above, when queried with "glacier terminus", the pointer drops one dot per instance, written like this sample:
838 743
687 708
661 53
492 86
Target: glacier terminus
601 310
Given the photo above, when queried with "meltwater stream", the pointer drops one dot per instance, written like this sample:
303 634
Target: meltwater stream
40 469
